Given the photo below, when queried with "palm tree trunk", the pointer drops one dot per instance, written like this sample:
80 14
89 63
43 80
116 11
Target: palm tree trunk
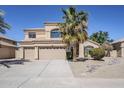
81 50
108 53
74 53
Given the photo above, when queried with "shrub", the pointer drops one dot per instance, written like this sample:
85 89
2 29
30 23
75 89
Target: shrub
97 53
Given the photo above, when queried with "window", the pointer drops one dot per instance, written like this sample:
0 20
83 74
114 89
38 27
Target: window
55 34
32 35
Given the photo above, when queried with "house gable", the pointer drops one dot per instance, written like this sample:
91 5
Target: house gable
91 43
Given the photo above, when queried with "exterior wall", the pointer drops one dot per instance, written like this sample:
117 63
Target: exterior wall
40 34
17 53
49 28
122 49
7 52
117 47
85 44
113 53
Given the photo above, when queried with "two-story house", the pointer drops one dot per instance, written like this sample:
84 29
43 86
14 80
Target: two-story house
46 44
42 43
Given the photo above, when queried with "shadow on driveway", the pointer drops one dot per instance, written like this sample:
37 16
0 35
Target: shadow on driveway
8 62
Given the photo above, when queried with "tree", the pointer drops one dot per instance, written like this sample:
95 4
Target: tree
3 24
100 37
74 28
103 39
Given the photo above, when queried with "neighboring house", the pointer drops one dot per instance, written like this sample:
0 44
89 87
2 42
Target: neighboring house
7 47
46 43
118 46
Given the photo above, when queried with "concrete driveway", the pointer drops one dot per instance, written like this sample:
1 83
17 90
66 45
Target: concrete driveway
49 73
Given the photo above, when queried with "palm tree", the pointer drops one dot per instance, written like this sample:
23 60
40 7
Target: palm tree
74 28
3 24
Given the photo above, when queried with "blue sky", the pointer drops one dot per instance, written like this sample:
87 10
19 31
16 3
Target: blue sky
106 18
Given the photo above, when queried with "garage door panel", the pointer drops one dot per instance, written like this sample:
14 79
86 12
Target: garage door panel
29 53
52 53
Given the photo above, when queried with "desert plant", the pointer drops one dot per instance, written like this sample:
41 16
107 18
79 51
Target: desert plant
3 25
74 28
97 53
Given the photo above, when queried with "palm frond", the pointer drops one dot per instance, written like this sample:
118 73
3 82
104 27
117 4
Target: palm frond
3 24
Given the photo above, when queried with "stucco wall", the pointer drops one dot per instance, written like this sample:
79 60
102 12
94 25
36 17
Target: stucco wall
43 33
18 53
40 34
122 49
48 29
113 53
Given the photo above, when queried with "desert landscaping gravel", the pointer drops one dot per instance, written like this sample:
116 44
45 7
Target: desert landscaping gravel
108 68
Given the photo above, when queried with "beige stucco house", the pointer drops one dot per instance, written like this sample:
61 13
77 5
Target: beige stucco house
46 43
118 46
42 43
7 47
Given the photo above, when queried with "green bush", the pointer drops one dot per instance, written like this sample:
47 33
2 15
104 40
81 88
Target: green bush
97 53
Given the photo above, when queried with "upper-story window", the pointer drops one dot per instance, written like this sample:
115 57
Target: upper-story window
55 34
32 35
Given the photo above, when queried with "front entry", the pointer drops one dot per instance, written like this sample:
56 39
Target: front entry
86 50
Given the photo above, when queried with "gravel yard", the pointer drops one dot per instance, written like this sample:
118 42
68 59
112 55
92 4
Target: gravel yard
108 68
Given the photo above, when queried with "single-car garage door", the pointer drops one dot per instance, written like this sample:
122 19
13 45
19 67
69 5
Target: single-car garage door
52 53
29 53
7 52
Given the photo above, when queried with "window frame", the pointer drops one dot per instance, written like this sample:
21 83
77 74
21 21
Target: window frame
31 34
55 31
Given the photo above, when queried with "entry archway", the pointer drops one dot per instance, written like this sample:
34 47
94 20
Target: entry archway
86 50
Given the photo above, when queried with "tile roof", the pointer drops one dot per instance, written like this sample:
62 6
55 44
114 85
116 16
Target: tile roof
33 29
119 40
5 37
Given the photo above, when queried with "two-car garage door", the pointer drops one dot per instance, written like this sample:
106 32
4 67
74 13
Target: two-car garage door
52 53
44 53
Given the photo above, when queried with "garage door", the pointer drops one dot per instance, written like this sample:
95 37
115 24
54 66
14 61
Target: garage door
7 52
52 53
29 53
